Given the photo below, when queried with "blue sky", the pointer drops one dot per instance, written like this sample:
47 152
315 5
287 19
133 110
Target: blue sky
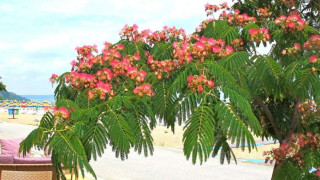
38 37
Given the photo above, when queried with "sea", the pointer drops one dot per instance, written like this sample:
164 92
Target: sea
40 98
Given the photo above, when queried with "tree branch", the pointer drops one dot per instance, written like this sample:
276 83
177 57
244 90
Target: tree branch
294 121
270 117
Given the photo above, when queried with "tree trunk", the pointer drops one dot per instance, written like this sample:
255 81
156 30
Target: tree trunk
275 167
274 170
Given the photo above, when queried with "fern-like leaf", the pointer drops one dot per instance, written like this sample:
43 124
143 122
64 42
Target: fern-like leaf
225 31
198 137
162 51
235 127
235 60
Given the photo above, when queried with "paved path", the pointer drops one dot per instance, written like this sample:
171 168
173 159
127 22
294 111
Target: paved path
164 164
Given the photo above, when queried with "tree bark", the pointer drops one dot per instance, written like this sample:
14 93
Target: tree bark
270 117
292 128
293 123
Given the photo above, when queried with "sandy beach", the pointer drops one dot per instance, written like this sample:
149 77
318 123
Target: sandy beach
21 118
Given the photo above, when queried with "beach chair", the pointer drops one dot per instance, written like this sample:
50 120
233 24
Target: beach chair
13 167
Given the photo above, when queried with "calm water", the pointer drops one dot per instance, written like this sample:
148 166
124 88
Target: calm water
40 98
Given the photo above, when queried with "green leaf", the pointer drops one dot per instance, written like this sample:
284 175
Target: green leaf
120 133
306 85
198 137
220 74
209 31
269 73
235 60
236 128
225 31
162 51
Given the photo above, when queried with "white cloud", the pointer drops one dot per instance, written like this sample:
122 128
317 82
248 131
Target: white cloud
6 8
5 45
69 7
45 42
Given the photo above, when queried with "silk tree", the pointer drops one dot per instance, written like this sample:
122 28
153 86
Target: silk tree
213 81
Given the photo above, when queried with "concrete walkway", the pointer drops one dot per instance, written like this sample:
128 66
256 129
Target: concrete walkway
164 164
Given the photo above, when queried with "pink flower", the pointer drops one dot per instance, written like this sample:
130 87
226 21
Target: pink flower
73 63
216 49
313 59
210 84
53 78
315 38
291 25
120 46
190 78
297 46
150 60
90 95
284 51
144 89
200 88
221 42
136 56
109 73
229 49
135 26
105 87
132 69
61 112
236 11
199 46
207 6
253 31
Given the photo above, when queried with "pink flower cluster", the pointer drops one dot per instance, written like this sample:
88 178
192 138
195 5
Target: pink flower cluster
131 33
162 68
85 50
61 113
237 44
53 78
143 90
185 52
314 59
236 18
291 23
81 80
313 44
136 75
86 58
204 46
196 83
182 52
264 12
204 24
101 90
168 33
258 35
209 8
104 75
293 50
293 147
165 35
